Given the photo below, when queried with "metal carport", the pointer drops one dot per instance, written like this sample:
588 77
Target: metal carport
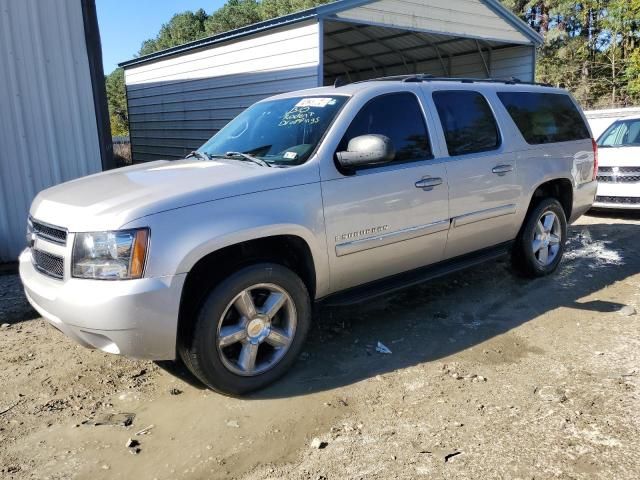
181 96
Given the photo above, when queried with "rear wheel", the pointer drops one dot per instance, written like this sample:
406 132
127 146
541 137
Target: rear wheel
541 241
249 330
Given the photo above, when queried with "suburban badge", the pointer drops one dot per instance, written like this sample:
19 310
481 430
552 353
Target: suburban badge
362 233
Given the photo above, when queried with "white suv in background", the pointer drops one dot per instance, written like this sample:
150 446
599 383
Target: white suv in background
619 165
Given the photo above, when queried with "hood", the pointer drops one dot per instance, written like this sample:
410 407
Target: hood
619 156
111 199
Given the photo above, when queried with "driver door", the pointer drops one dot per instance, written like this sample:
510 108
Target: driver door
387 219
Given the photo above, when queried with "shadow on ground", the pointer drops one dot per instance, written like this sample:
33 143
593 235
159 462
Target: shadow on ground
14 307
439 318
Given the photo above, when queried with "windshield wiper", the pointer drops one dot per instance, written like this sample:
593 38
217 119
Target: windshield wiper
247 157
200 155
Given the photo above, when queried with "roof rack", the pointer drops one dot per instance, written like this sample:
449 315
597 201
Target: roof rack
426 77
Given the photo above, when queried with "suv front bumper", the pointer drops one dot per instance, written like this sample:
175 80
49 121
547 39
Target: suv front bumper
135 318
618 195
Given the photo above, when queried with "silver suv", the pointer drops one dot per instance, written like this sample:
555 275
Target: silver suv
334 194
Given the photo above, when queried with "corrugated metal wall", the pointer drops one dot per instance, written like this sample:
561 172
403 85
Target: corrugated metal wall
502 63
176 104
48 130
516 62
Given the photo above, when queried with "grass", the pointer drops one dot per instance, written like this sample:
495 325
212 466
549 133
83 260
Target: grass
122 154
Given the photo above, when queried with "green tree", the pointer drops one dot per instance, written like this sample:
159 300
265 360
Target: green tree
632 76
620 55
277 8
589 46
182 28
117 102
233 14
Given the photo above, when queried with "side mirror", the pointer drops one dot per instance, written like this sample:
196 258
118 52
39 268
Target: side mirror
367 150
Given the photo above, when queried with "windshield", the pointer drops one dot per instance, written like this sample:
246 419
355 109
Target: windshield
281 132
623 133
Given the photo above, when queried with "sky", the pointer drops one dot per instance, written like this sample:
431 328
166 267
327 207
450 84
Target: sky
124 25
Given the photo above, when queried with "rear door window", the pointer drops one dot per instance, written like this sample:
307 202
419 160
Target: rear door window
467 120
397 116
545 117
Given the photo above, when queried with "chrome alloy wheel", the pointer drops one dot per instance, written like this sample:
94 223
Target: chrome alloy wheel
256 329
547 237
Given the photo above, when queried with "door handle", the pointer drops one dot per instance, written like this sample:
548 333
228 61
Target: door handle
428 183
502 169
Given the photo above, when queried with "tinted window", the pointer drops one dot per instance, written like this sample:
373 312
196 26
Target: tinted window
545 117
468 122
397 116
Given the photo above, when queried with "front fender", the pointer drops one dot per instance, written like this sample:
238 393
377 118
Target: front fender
181 237
207 244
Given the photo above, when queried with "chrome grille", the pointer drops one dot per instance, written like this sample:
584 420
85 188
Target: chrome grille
619 174
49 232
616 179
618 200
620 169
51 265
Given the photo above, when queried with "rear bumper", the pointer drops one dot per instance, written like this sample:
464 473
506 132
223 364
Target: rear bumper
583 198
135 318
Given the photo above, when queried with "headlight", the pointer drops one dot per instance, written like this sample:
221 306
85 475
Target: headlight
118 255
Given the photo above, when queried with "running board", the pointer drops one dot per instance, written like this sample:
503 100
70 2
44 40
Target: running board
414 277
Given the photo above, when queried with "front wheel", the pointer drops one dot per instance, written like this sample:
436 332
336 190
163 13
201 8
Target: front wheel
540 244
249 330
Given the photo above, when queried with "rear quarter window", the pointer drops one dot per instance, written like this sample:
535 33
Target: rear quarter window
545 117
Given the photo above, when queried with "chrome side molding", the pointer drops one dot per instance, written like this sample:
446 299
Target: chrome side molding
483 215
391 237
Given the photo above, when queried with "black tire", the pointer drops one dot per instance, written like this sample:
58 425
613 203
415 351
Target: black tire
199 349
523 257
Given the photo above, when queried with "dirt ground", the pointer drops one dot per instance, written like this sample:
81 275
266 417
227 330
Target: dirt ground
490 376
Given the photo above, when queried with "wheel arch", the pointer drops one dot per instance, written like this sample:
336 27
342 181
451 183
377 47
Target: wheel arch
559 188
287 249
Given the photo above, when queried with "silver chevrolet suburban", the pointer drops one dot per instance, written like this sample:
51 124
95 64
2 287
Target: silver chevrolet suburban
334 194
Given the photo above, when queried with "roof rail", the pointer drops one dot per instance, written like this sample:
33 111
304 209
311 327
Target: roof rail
340 82
426 77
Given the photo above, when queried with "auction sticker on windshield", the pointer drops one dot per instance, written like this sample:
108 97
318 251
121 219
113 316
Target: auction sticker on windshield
316 102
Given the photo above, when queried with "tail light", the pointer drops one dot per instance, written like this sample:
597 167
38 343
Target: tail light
595 159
